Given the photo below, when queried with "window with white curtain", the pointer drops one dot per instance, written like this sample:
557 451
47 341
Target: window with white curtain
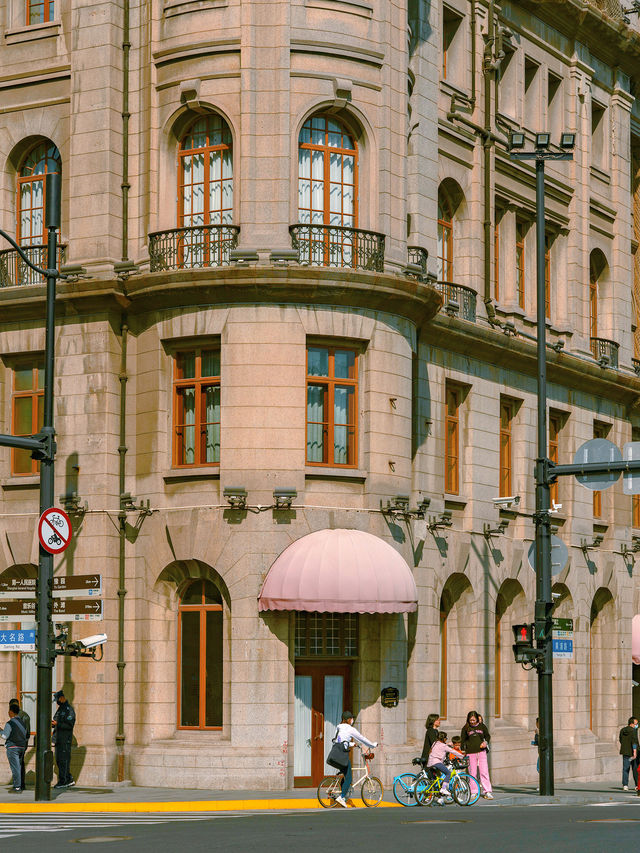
332 391
196 407
42 159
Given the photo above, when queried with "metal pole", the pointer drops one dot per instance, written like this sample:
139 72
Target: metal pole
45 645
542 520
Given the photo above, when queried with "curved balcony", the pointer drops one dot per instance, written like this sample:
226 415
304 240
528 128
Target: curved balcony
458 300
336 246
605 352
13 270
192 248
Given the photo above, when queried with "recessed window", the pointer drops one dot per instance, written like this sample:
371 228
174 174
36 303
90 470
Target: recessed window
600 430
200 657
196 407
452 47
599 150
507 83
556 422
520 258
445 236
453 400
41 160
531 102
332 406
27 412
555 106
507 410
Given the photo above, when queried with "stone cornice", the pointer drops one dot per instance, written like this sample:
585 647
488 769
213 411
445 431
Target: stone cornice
393 294
519 354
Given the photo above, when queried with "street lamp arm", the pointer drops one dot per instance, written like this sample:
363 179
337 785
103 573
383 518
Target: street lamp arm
23 255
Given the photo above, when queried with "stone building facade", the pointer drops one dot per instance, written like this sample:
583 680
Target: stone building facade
299 304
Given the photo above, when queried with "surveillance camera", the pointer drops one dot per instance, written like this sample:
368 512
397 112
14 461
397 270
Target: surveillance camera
91 642
507 502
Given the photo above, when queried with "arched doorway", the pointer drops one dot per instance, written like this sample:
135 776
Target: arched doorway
511 684
457 638
603 651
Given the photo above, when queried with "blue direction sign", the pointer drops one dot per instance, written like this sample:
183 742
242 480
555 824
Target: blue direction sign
562 648
18 640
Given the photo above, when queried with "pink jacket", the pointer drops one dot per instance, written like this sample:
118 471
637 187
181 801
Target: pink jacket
439 752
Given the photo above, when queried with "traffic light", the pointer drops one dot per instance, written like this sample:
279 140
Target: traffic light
523 648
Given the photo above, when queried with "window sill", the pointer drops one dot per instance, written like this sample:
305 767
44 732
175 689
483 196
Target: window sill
347 475
27 482
34 32
186 475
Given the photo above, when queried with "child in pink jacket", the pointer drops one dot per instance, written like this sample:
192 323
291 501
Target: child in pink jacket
439 751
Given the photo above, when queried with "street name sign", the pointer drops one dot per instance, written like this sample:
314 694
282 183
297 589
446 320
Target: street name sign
562 638
54 530
63 586
22 640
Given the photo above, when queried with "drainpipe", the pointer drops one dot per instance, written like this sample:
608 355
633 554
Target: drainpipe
122 529
473 54
487 70
125 185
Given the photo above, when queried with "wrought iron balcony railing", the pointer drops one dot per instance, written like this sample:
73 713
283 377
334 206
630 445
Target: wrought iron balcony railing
336 246
458 299
418 257
192 248
601 348
14 271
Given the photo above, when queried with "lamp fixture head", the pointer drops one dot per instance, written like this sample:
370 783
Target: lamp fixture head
283 497
568 141
516 140
543 140
236 496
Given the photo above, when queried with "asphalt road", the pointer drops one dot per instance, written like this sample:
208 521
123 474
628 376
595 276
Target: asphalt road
570 829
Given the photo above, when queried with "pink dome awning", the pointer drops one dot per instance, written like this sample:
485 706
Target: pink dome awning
340 571
635 639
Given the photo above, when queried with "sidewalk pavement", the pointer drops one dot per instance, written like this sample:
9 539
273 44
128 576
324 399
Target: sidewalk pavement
123 797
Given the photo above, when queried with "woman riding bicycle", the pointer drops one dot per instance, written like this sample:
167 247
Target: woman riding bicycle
345 735
439 751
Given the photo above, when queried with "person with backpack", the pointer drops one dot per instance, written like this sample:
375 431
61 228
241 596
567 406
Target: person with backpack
628 739
339 754
15 738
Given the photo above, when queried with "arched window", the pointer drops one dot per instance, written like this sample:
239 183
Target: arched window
42 159
597 268
200 657
328 189
445 236
205 190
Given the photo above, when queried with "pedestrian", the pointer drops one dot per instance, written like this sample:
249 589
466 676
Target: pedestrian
339 755
25 719
15 740
63 722
431 736
439 752
474 739
628 738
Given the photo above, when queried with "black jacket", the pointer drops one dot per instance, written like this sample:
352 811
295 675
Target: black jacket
628 738
472 736
429 739
25 719
65 718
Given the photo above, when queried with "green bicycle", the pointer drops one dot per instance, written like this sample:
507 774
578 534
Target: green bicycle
421 789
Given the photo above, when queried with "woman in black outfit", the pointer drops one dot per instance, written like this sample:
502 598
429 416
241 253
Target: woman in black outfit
432 725
474 740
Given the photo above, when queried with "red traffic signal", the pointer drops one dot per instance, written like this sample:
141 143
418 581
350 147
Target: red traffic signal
523 634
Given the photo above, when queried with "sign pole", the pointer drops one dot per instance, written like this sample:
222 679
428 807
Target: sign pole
44 598
544 601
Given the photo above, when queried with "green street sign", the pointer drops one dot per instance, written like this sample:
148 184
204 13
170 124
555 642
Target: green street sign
563 624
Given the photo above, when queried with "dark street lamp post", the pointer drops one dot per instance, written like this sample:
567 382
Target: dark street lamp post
43 447
544 601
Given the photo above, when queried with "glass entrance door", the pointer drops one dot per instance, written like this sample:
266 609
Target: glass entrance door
322 692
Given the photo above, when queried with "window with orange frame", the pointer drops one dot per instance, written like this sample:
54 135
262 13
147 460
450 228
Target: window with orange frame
196 407
27 412
332 406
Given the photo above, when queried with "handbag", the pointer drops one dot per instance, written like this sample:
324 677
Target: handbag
339 755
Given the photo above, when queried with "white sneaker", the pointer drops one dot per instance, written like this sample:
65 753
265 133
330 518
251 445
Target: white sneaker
488 795
625 787
440 801
341 801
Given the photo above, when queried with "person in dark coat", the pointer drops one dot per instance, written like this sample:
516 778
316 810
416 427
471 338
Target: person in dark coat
15 739
25 719
474 740
431 736
628 738
63 722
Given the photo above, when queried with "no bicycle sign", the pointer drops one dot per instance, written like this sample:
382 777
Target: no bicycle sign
54 530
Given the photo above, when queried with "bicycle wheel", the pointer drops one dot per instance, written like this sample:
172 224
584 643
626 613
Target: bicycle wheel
371 791
404 789
474 788
460 790
328 790
426 791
